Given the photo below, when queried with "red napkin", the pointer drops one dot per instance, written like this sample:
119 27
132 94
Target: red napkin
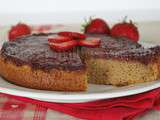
124 108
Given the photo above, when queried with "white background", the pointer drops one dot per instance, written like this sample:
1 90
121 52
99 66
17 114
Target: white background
76 5
69 11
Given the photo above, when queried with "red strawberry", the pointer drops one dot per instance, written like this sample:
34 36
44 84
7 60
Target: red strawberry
73 35
125 29
19 30
60 47
58 39
94 42
98 26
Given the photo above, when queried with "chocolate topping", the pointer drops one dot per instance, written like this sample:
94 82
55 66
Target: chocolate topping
35 51
123 49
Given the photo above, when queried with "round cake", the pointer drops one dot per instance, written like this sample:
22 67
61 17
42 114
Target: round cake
30 62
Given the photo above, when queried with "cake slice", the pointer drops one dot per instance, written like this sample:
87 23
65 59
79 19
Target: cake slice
29 62
119 62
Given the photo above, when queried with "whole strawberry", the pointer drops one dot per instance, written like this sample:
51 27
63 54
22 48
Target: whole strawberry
125 29
97 26
19 30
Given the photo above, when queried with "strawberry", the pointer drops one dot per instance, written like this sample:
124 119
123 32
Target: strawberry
19 30
94 42
98 26
60 47
58 39
73 35
125 29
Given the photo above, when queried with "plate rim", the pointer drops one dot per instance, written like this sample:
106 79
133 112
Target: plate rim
80 96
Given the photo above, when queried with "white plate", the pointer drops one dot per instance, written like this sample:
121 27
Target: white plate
94 92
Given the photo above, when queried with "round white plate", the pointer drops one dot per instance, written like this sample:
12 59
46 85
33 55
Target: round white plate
94 92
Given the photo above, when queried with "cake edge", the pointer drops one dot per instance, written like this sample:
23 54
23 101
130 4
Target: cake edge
59 80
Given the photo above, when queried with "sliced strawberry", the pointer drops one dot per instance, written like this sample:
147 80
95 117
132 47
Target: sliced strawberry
60 47
94 42
73 35
19 30
58 39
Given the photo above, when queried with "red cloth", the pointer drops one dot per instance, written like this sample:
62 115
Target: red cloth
12 109
124 108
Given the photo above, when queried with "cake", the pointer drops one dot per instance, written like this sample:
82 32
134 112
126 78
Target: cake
119 61
28 61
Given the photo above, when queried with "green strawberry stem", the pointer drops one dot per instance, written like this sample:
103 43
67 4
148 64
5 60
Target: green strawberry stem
86 23
125 19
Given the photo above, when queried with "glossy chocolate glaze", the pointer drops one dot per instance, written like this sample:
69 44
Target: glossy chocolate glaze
35 51
122 49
